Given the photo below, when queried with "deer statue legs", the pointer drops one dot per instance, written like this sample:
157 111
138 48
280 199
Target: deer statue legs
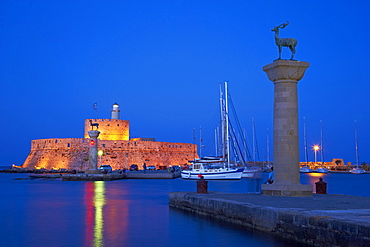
292 49
94 124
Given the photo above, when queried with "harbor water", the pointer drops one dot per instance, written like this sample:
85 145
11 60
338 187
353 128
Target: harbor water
130 212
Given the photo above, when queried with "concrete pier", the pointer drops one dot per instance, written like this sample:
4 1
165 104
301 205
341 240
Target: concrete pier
320 220
285 74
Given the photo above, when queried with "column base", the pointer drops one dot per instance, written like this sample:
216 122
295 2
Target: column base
298 190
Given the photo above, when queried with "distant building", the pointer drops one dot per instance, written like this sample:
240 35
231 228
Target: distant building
118 149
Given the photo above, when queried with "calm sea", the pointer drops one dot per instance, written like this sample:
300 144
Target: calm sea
129 213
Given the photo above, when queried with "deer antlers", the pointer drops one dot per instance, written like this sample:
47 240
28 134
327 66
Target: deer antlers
284 25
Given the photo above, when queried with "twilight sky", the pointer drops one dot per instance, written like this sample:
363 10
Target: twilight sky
162 62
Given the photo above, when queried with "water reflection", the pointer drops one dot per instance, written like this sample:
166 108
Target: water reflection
95 201
99 201
313 177
106 213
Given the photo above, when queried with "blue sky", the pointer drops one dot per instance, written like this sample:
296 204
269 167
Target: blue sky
162 62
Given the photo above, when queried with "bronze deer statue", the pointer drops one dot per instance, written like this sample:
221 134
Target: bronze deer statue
94 124
280 42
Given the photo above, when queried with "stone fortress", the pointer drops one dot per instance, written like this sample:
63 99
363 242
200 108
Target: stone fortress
115 149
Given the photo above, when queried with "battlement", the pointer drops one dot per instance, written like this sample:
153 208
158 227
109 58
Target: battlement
110 129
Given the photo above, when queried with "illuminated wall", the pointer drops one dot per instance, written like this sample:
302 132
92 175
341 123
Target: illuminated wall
73 153
110 129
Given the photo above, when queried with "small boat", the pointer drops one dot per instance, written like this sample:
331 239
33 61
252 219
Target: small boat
250 171
211 169
305 169
357 170
322 170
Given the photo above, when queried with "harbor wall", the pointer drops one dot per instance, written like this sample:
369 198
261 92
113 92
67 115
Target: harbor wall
310 229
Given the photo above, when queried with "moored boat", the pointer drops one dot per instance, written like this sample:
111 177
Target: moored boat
250 171
211 170
305 169
321 170
357 170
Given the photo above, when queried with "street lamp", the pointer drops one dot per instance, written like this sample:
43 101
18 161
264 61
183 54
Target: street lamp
100 153
315 149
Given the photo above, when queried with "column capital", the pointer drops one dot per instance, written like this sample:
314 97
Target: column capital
285 70
93 133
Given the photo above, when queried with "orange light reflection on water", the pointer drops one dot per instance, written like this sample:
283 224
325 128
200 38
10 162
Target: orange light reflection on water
105 218
314 177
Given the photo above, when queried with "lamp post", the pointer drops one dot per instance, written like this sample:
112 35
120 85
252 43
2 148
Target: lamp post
100 153
315 149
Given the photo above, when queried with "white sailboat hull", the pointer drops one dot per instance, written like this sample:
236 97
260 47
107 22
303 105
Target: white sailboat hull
250 172
321 170
305 170
357 171
208 174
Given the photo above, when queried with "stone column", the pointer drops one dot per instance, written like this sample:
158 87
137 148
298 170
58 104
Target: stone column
285 74
93 154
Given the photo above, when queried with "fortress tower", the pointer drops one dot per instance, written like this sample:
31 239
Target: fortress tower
115 111
113 129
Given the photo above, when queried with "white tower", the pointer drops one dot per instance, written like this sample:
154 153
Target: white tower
115 111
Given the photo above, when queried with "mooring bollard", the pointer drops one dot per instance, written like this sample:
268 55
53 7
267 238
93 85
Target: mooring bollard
320 187
202 186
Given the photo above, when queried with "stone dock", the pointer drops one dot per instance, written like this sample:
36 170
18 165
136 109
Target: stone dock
93 177
157 174
320 220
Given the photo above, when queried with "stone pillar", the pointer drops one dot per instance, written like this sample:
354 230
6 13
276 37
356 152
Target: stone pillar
285 74
93 154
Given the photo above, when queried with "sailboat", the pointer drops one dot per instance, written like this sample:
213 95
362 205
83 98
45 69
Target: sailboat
305 168
320 169
356 169
216 167
250 171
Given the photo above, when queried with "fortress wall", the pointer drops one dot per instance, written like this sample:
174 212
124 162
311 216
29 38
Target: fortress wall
123 154
68 153
73 153
110 129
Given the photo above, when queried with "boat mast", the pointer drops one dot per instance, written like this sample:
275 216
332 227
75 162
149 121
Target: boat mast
216 142
253 140
356 140
268 147
227 125
222 126
322 147
200 142
305 140
245 145
195 151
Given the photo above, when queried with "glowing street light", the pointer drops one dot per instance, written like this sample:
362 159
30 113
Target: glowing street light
315 149
100 153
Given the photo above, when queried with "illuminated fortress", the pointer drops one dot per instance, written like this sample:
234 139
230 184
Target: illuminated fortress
118 150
